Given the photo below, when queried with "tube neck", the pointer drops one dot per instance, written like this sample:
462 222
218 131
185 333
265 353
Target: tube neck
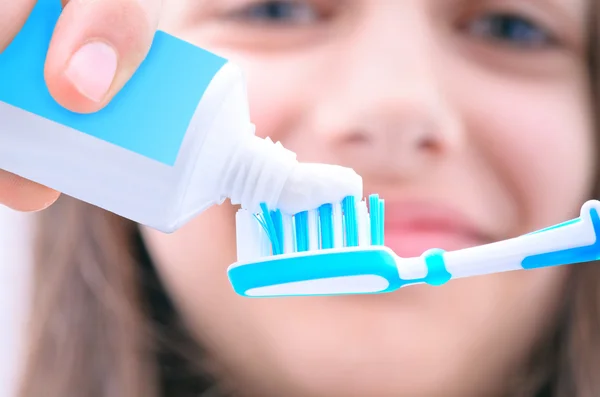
257 171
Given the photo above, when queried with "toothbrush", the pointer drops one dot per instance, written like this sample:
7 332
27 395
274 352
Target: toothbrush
338 249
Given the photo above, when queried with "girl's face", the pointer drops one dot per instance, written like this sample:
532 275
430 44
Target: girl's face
471 118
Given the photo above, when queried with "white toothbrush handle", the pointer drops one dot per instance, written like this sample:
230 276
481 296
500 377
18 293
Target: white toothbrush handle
570 242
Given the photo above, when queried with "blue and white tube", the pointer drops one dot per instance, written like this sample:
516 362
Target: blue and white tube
176 140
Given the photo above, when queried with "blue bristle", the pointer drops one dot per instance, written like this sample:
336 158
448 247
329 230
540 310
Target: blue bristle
326 222
272 223
301 221
351 228
374 212
262 222
267 223
278 226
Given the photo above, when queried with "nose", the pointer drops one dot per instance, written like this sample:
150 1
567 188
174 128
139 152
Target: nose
384 111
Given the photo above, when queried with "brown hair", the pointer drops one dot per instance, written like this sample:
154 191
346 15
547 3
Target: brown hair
103 326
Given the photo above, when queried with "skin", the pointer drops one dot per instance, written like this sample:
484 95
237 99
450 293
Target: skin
422 106
126 26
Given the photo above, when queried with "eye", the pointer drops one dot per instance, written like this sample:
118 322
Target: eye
283 12
510 29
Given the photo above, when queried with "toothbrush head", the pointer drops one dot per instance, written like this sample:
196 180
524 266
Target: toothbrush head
335 249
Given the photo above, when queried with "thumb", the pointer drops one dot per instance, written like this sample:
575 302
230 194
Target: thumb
96 47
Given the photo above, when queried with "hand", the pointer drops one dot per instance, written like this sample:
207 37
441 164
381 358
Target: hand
96 47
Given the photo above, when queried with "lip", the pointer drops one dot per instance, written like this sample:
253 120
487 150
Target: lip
412 228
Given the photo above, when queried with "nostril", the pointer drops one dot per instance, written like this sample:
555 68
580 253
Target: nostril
429 145
358 138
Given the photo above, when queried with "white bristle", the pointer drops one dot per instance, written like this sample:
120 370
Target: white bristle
313 230
288 234
251 239
364 224
338 226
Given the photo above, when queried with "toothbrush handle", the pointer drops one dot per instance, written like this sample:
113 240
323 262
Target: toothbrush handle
570 242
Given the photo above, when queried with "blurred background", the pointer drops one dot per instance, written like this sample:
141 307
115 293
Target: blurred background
15 267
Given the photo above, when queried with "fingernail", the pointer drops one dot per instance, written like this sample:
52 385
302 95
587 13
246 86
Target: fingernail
92 70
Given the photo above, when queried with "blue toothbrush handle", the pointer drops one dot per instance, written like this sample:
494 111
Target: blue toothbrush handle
574 241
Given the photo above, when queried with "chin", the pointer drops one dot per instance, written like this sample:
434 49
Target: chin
349 366
363 346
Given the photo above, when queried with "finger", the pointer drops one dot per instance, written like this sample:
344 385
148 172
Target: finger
13 15
16 192
23 195
96 48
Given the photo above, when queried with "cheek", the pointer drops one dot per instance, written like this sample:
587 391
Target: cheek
193 261
278 93
276 102
543 148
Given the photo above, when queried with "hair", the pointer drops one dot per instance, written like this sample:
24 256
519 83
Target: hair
102 324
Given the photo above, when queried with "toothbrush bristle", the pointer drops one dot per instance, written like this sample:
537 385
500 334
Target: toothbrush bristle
326 223
301 224
338 225
362 213
270 222
249 239
278 229
373 222
288 234
334 225
381 222
349 207
313 230
376 210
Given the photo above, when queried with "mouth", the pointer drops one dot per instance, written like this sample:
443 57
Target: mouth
414 227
